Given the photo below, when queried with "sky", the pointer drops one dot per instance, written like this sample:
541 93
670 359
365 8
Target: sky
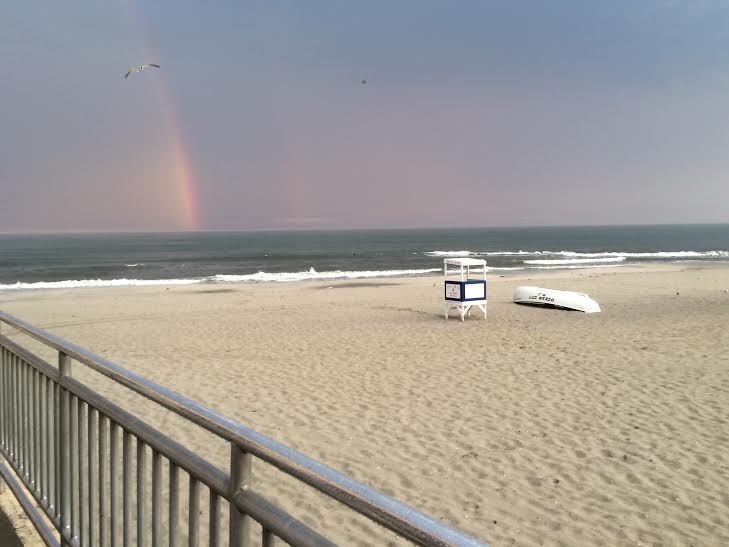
474 113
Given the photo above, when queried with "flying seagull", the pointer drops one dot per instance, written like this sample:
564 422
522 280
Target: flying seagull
139 68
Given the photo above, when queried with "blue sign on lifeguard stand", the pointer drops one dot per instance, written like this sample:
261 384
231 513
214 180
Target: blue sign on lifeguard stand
464 293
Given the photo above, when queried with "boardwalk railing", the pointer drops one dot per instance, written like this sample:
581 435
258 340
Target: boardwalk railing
71 448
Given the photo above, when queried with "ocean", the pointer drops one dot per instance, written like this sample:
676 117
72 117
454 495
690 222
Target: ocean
100 260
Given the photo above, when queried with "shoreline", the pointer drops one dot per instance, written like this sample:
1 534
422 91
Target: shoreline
545 272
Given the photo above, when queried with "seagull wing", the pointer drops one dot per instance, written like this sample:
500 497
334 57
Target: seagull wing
139 69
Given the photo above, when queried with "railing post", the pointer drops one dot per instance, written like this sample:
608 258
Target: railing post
64 439
240 478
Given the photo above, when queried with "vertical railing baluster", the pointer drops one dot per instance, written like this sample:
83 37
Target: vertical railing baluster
6 400
18 417
141 493
83 498
3 374
193 533
267 538
29 423
29 438
21 429
25 402
9 394
156 499
240 476
73 461
10 406
42 452
92 475
27 458
174 518
114 482
14 411
66 486
35 425
4 396
10 445
50 446
7 397
103 421
127 487
214 522
4 417
58 461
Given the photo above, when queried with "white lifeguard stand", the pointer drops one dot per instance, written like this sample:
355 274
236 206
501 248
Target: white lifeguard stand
464 293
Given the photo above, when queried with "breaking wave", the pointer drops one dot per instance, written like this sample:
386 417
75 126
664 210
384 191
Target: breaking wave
448 253
313 274
90 283
577 254
259 277
566 261
659 254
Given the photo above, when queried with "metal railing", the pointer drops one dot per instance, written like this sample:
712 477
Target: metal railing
85 462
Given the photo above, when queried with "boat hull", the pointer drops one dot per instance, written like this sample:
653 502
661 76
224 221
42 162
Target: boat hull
552 297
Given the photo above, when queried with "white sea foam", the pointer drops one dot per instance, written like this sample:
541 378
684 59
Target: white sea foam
575 266
659 254
566 261
313 274
448 253
513 253
90 283
134 265
222 278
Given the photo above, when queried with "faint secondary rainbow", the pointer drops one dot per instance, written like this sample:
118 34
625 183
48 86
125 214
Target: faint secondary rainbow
183 176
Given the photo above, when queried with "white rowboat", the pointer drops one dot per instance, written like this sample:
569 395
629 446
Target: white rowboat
552 297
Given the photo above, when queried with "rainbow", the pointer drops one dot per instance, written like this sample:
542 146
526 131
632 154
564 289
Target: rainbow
181 177
184 174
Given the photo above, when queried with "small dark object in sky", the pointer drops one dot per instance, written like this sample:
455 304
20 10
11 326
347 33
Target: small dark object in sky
364 82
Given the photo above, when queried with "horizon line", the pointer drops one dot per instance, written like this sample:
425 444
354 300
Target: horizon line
351 229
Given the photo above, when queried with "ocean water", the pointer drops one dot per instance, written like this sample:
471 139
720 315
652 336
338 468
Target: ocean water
47 261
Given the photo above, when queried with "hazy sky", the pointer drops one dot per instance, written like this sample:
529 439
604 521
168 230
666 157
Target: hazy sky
475 113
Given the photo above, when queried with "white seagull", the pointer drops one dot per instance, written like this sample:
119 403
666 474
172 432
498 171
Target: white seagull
140 68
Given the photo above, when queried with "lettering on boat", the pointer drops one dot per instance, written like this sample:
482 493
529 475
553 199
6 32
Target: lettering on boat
541 296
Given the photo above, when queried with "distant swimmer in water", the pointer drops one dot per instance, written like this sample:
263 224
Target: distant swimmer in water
139 68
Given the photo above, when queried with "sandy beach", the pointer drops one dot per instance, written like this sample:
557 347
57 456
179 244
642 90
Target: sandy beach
535 427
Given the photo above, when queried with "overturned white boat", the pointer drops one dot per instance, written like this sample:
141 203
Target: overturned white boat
552 297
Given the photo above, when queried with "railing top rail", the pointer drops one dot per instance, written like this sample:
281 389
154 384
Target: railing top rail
388 512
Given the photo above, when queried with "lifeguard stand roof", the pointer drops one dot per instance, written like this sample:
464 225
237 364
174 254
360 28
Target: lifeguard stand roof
465 261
